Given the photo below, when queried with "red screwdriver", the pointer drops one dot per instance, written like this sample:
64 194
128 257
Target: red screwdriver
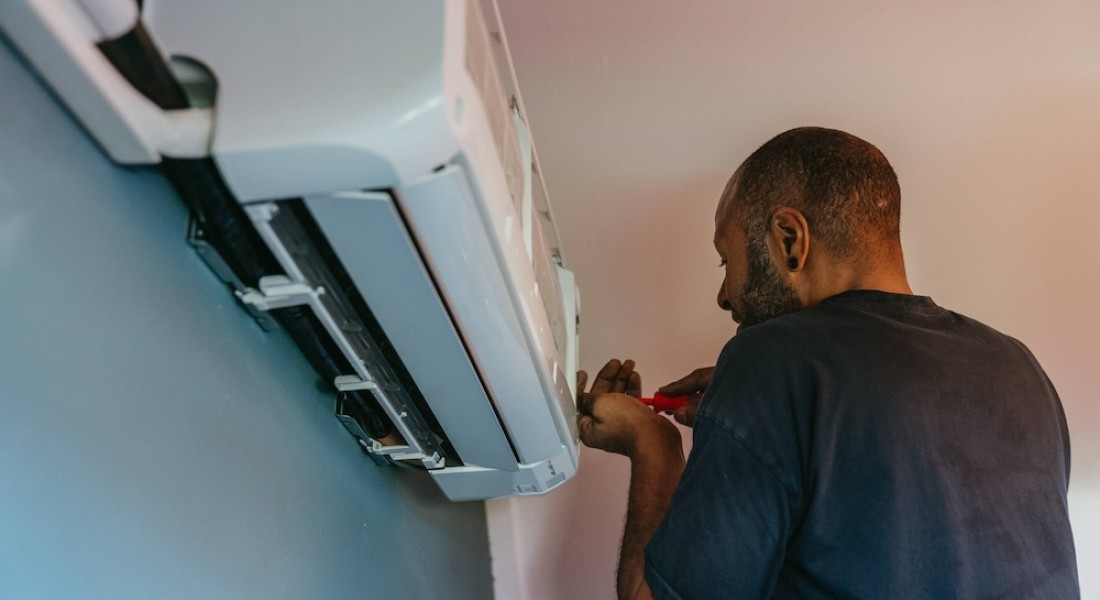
663 403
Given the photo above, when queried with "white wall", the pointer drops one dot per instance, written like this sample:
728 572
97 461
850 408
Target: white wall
989 111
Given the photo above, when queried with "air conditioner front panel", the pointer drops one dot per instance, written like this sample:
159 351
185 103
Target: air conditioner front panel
377 253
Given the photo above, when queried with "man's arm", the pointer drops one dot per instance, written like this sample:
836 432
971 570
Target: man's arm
613 421
655 469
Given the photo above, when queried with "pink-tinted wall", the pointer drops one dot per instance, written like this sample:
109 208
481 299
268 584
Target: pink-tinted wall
990 113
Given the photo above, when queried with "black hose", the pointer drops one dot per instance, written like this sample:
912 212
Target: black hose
136 58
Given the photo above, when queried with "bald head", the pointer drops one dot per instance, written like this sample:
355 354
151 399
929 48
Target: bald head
844 186
724 213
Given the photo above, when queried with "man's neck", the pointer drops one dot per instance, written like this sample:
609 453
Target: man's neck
827 283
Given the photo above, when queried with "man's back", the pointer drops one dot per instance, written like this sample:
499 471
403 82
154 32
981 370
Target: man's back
876 446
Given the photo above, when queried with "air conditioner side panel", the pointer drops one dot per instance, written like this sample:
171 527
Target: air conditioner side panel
365 230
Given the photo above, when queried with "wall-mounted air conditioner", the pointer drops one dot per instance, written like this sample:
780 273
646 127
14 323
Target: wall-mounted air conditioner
361 173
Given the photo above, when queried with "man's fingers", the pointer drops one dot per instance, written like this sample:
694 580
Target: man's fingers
634 384
615 377
622 377
584 425
584 403
681 387
692 383
582 381
589 406
605 379
685 415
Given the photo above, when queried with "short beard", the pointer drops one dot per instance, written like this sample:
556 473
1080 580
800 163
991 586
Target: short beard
765 295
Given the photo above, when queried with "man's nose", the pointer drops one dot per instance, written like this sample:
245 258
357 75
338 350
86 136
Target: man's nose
723 300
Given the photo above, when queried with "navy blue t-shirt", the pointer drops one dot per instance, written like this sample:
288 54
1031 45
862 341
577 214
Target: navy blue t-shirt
876 446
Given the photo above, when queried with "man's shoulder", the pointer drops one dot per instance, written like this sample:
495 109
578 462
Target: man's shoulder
836 319
761 363
781 338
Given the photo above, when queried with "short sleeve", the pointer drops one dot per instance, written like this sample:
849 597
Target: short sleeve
726 529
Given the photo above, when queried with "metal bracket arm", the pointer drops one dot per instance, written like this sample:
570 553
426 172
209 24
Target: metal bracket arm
278 291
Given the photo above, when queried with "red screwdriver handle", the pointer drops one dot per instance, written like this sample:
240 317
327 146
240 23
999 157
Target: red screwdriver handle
663 403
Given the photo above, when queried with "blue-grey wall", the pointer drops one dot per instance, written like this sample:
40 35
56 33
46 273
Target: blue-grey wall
154 442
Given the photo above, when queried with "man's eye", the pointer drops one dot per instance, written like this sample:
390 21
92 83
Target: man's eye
722 263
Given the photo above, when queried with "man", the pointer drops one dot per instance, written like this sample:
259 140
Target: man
854 440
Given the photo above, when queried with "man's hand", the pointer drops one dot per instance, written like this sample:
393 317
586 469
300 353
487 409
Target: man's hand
611 418
693 385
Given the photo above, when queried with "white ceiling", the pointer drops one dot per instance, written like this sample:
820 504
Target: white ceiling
989 111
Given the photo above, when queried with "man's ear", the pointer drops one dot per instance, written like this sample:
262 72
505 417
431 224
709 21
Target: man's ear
789 238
